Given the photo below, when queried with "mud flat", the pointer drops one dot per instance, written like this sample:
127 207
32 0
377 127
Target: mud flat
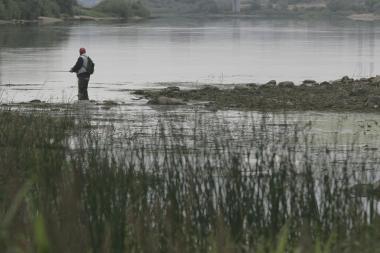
345 94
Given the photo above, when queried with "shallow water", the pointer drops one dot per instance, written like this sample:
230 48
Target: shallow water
182 51
187 53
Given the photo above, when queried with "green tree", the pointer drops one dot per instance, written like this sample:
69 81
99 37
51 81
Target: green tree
336 5
373 5
66 6
123 8
31 9
2 10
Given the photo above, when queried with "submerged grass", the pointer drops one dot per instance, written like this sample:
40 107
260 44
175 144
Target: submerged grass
66 187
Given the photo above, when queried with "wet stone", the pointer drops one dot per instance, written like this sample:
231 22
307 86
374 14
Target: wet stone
210 88
241 88
346 79
359 91
162 100
286 84
252 85
172 88
309 83
35 101
373 102
375 80
110 103
139 92
325 83
271 83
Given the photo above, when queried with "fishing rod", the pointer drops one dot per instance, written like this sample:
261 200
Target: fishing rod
58 71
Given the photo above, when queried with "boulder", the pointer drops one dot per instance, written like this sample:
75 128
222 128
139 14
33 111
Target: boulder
162 100
110 103
172 88
346 79
325 83
139 92
210 88
363 80
286 84
336 82
241 88
358 90
211 106
271 83
373 101
374 80
309 83
35 101
252 85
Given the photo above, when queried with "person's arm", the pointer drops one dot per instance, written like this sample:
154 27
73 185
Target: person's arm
77 65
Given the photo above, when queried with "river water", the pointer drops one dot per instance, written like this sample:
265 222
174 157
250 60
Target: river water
187 53
183 51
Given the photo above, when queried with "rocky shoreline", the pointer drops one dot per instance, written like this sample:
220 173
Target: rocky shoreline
345 94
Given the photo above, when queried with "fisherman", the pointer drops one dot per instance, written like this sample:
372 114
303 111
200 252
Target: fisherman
83 73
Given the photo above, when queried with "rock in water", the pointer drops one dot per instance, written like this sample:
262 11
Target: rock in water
162 100
375 80
172 88
309 83
373 101
35 101
110 103
286 84
271 83
325 83
359 90
346 79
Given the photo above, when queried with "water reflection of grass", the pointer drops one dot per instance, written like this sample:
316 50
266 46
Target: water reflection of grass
68 188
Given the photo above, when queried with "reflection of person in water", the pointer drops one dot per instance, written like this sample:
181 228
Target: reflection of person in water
81 68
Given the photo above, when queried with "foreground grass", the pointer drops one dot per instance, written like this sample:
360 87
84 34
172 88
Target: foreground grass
68 188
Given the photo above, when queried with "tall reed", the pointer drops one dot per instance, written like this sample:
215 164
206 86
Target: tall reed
70 187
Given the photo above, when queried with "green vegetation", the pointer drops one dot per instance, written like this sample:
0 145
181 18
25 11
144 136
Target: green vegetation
67 186
373 5
31 9
354 6
122 8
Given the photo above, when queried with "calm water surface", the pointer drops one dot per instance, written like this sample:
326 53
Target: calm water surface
188 51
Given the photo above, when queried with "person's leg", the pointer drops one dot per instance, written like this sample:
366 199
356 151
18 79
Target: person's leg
85 88
82 89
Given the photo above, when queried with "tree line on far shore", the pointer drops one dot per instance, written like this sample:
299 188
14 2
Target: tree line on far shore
331 5
32 9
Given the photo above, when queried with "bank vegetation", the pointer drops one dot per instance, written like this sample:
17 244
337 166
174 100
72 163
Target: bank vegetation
67 185
67 9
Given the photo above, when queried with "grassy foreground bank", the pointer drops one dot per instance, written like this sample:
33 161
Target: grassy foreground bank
69 187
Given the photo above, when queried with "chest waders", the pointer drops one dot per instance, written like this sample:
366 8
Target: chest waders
83 81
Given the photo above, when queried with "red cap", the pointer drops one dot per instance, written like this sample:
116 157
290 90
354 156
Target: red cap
82 51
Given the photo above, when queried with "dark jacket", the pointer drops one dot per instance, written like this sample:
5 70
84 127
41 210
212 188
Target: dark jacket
77 67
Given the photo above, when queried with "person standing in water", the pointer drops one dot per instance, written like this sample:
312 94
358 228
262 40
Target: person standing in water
84 67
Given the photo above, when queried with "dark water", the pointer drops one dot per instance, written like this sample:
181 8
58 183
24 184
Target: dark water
188 51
